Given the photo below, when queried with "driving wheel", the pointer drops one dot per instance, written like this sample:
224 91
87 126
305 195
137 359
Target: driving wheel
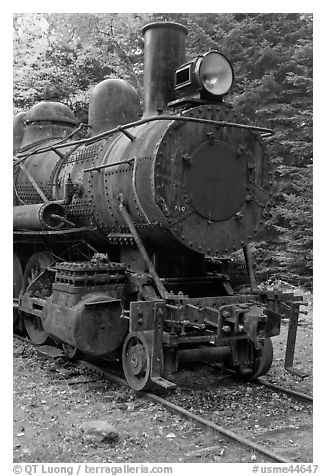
17 286
37 263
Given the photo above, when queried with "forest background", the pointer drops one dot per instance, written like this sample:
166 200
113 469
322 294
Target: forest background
62 56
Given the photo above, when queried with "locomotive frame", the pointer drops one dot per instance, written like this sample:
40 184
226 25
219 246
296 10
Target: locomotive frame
117 247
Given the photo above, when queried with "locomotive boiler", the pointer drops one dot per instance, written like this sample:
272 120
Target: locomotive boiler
122 239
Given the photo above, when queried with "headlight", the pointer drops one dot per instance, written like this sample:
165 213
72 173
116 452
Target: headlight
215 73
210 75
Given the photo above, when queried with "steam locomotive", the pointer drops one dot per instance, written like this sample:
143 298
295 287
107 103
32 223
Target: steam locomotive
122 238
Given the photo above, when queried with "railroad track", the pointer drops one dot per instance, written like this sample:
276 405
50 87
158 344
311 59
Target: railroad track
243 436
286 391
277 388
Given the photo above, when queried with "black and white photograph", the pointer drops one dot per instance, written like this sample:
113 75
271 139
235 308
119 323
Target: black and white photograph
162 242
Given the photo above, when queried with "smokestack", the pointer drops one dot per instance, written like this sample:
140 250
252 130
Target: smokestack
164 51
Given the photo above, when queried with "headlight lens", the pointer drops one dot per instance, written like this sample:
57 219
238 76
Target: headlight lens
216 73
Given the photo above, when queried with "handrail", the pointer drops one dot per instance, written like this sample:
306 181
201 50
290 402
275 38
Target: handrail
166 117
105 166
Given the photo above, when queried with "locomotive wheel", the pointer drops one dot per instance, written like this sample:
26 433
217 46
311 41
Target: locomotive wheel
136 362
262 361
70 351
18 278
35 266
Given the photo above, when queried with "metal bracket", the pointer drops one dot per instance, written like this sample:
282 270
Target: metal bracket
157 349
290 345
250 269
158 282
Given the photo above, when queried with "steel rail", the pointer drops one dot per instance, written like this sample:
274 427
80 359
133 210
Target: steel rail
23 339
259 381
220 429
273 386
177 409
279 389
287 391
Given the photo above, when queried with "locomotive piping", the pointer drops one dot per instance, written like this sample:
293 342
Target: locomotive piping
39 216
144 121
159 284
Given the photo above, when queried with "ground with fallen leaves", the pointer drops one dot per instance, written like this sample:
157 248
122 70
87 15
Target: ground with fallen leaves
52 402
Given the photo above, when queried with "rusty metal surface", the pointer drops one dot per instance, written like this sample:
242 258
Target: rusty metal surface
215 179
221 319
18 130
38 216
51 111
141 179
148 138
33 182
161 193
178 193
112 102
17 272
149 264
47 120
43 169
160 117
291 339
202 354
164 50
85 307
95 329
